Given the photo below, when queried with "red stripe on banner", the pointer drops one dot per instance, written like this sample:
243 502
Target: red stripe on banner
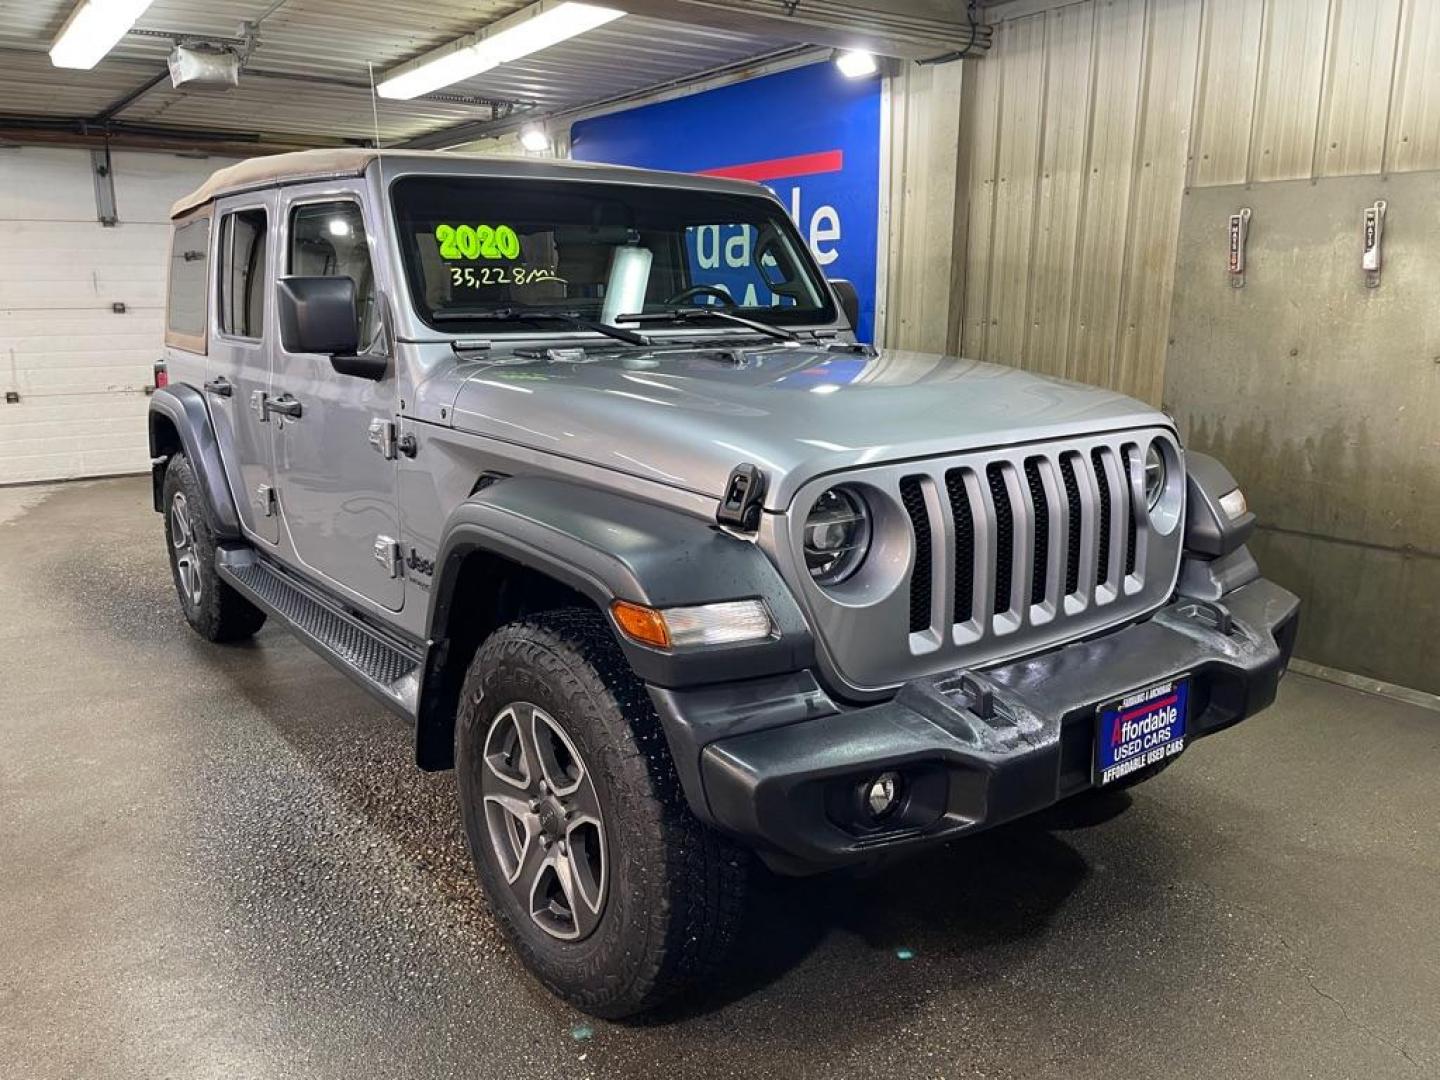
826 161
1169 699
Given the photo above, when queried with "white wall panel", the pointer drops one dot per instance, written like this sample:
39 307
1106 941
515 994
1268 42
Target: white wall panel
80 368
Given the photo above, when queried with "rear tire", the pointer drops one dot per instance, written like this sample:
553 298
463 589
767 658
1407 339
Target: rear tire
213 609
555 732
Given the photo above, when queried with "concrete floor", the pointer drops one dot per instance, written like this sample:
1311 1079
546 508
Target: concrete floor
220 861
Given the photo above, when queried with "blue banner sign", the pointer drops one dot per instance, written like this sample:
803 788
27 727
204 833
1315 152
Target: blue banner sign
810 135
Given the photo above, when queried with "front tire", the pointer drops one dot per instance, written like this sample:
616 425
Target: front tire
613 894
213 609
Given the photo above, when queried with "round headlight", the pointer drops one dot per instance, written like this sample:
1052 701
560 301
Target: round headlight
1154 475
836 537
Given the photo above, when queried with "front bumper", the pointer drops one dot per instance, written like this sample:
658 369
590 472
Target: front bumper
978 749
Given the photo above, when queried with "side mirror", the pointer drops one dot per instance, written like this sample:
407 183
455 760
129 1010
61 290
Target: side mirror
849 300
320 315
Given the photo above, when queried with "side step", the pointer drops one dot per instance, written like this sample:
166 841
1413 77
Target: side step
384 664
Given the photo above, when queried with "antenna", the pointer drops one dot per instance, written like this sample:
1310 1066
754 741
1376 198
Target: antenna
375 118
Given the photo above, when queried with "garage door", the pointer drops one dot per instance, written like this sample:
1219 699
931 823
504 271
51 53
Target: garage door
81 308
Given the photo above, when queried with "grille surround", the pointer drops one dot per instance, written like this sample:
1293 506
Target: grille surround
870 630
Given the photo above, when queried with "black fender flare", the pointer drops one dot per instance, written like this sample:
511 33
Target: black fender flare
1209 531
184 407
607 547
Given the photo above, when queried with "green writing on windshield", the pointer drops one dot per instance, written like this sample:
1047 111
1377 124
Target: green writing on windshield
477 241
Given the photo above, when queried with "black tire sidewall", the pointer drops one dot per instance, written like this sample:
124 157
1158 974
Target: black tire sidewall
623 947
180 480
222 614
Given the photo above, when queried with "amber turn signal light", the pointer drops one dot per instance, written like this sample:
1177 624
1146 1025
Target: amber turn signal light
640 623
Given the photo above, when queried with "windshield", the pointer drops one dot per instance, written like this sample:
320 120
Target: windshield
478 251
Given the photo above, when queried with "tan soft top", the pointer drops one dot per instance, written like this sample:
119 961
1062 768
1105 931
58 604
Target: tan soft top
308 165
272 169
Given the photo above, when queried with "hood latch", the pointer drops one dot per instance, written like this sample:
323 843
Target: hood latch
744 497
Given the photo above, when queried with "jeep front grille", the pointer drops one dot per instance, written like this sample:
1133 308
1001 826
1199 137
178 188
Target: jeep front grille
1010 551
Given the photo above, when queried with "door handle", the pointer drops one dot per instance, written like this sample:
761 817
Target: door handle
285 405
220 387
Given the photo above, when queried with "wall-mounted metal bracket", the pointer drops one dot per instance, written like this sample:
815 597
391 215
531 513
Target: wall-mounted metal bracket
1372 258
1239 231
104 187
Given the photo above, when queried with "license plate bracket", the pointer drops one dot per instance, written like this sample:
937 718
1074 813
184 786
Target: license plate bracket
1142 728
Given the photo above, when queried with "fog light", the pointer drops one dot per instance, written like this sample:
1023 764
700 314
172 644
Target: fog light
882 795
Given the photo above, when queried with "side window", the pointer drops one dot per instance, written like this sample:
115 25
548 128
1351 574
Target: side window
185 303
242 273
328 240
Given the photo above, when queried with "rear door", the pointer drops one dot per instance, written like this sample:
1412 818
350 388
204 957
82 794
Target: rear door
336 483
238 373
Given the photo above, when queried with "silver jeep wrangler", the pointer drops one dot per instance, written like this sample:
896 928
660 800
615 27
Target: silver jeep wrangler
581 470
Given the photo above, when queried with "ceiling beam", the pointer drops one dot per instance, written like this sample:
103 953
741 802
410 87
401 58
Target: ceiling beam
128 99
79 131
475 130
904 29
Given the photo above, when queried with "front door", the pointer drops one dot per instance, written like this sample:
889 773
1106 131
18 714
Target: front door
238 369
336 485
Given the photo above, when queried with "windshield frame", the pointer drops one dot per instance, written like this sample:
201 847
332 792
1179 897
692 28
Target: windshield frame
409 279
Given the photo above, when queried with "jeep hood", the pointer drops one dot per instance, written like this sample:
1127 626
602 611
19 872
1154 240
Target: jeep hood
686 416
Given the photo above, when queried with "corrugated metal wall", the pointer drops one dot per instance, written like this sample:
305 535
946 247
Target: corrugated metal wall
1080 131
921 306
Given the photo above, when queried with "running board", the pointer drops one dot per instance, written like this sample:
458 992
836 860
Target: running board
382 663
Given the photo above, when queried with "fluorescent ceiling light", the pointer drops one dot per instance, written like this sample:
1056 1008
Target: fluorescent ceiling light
856 64
92 31
534 139
527 31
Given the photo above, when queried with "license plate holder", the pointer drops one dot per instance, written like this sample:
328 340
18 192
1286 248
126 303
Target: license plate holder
1144 727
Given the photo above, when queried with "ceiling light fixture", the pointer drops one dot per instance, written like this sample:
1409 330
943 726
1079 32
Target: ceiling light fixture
536 27
92 30
856 63
534 139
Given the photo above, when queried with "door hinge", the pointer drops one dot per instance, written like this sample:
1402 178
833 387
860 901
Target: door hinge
387 554
259 405
382 438
265 500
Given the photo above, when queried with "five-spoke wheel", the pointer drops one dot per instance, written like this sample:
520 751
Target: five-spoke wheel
612 892
544 821
187 558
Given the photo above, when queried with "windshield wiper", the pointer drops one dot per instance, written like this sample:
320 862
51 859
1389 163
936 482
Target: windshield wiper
532 314
690 314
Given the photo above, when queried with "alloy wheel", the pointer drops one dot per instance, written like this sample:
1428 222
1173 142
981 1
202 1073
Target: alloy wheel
187 556
543 819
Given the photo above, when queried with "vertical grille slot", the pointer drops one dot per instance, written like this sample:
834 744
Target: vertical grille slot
964 545
1039 576
1004 536
912 497
1072 547
1102 562
1125 452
